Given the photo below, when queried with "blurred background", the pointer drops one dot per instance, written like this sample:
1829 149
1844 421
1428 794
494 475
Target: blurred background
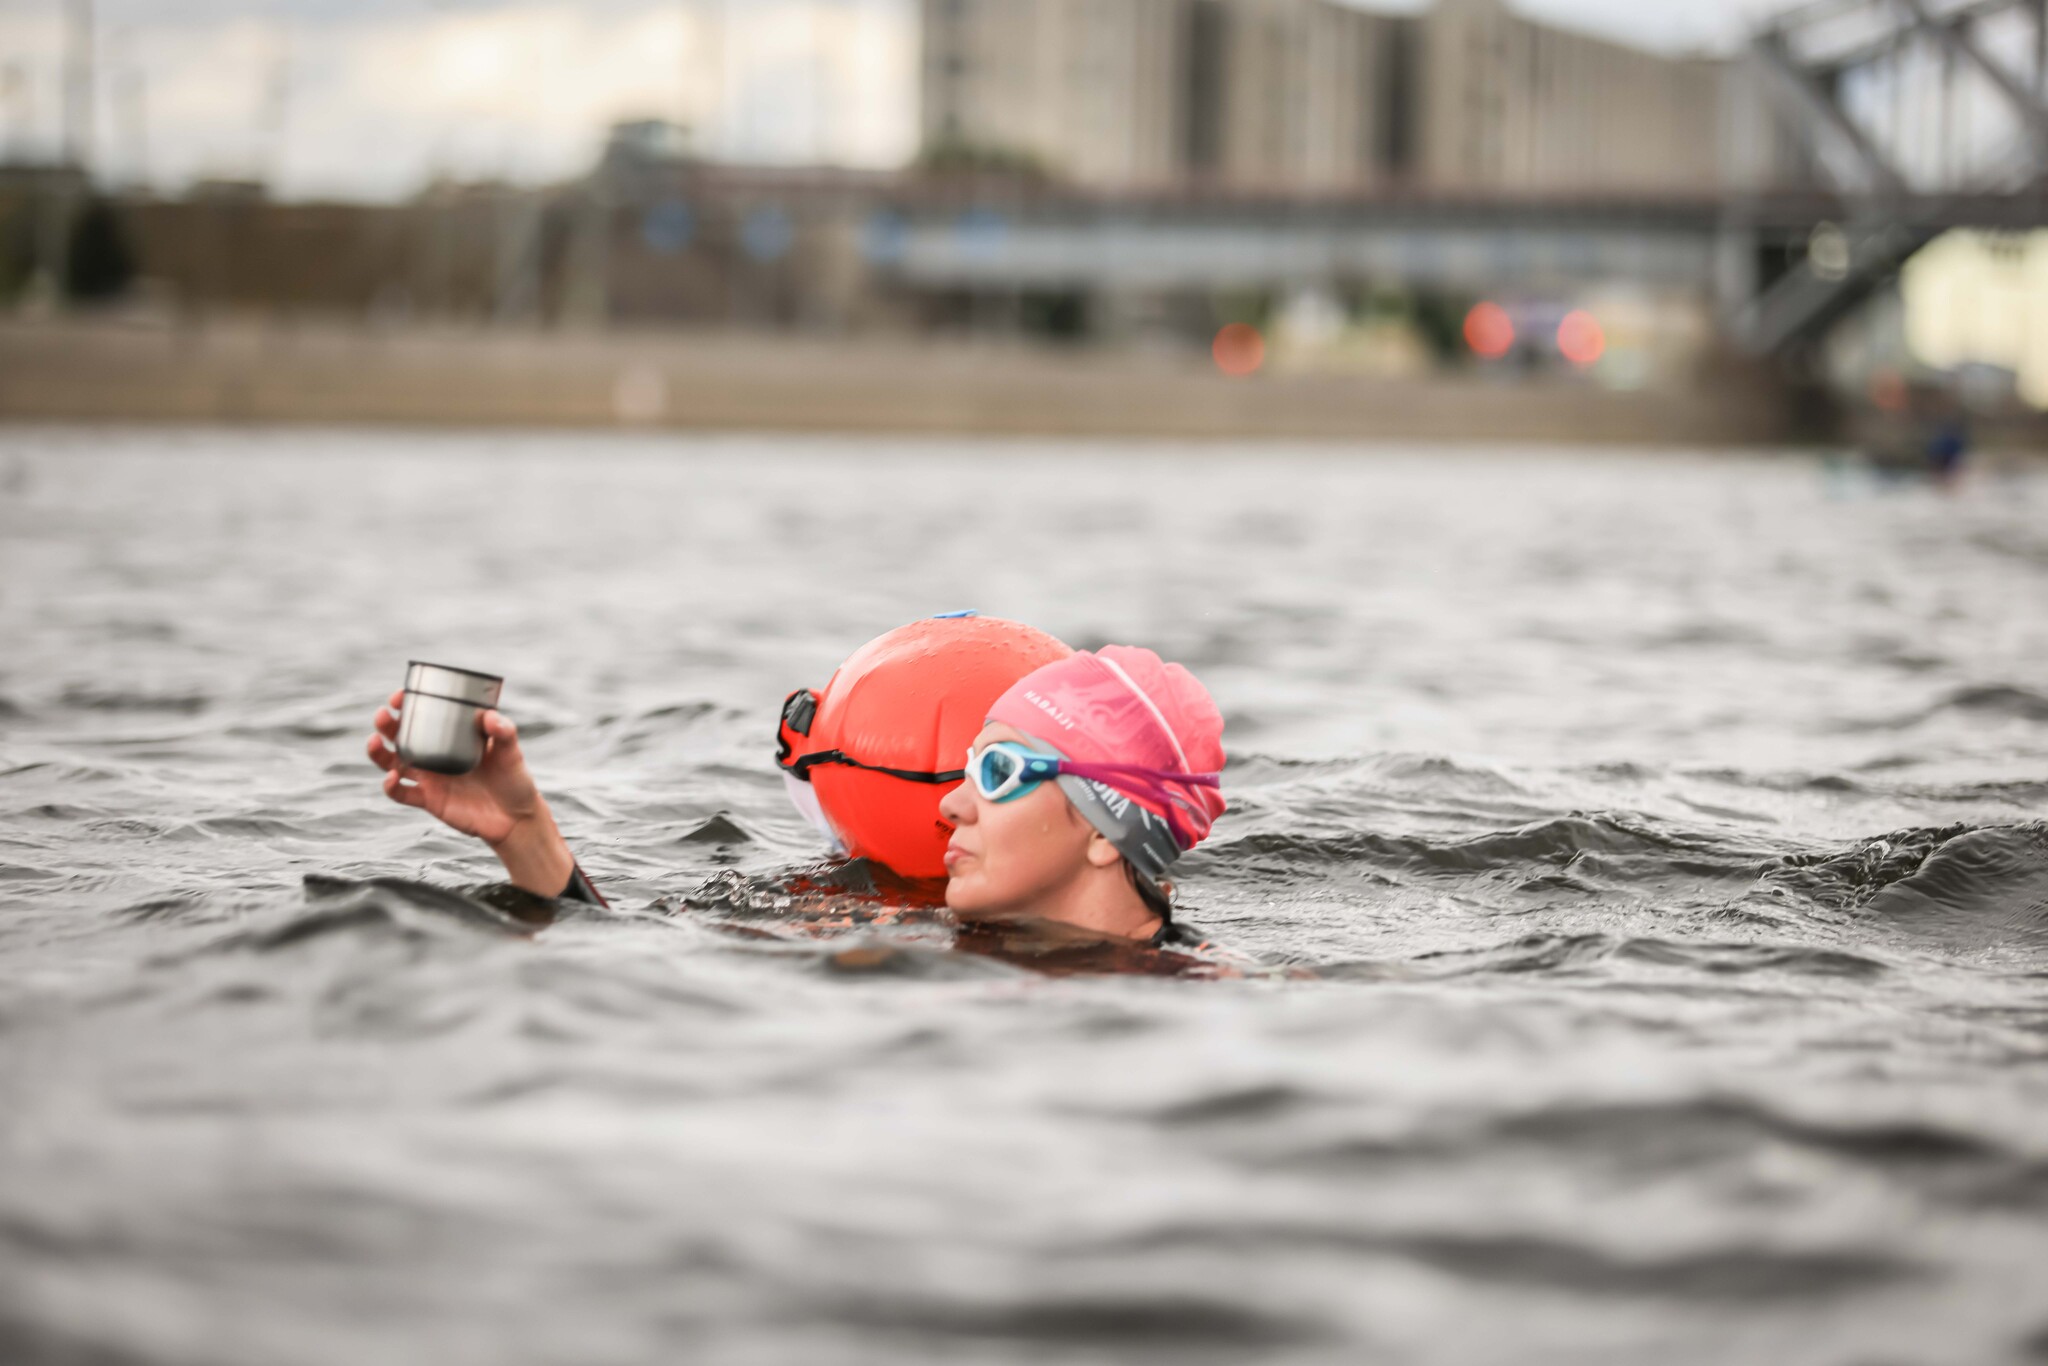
1635 857
1724 222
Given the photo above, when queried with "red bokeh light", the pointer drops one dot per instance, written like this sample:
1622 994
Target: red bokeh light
1489 331
1239 350
1580 338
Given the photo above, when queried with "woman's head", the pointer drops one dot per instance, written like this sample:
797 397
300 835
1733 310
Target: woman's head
1138 744
1030 850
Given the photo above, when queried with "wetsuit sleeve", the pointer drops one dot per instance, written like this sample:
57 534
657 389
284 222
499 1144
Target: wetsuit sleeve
1174 935
581 889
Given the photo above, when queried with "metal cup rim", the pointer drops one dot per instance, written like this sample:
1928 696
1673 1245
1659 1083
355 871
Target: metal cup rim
412 664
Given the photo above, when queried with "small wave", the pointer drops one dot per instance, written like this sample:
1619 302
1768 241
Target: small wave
1533 953
2016 545
54 813
1848 878
1432 774
1729 959
300 729
1747 1272
1998 701
1593 848
1264 1102
26 1341
1751 1272
381 906
1973 886
127 827
721 829
1704 632
84 697
1682 1140
16 872
2019 792
1983 884
164 907
673 717
1659 1134
1435 773
1777 782
65 772
1557 953
1201 1324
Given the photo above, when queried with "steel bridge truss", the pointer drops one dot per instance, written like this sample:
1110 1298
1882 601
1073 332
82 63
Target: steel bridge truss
1918 114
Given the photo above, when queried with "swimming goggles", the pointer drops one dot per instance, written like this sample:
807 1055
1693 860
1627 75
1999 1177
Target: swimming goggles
1003 769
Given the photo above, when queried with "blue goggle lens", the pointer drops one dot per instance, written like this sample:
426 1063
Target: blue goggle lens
998 766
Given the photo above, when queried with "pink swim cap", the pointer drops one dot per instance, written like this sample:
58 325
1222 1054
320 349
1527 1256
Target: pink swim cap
1124 706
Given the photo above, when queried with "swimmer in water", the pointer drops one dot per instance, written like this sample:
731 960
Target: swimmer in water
1090 778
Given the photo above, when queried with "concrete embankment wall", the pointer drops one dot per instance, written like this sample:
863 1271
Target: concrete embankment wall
110 371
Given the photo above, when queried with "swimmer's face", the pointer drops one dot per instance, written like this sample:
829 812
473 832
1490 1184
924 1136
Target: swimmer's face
1011 857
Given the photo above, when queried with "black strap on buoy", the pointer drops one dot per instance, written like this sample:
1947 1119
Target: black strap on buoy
802 768
799 710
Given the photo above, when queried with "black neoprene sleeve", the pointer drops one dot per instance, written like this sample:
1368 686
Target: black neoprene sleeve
581 889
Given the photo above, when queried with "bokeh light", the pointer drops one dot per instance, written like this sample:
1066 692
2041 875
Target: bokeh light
1240 350
1888 391
1580 338
1489 331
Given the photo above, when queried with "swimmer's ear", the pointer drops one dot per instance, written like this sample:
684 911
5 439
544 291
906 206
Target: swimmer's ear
1101 853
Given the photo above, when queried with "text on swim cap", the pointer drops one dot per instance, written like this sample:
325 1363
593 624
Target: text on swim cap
1045 705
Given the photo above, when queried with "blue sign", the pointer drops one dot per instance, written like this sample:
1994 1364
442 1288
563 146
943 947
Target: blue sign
768 233
886 238
981 232
668 227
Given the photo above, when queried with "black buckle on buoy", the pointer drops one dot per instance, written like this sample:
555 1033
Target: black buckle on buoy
799 710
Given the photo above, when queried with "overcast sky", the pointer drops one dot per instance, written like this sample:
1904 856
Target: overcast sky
371 98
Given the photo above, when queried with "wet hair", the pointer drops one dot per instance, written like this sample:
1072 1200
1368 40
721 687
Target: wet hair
1156 901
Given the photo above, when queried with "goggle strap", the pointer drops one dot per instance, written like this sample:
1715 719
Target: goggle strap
1157 785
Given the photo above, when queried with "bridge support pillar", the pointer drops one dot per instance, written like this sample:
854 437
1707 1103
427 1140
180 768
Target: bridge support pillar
1736 277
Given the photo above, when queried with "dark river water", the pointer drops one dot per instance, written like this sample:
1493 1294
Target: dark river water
1635 880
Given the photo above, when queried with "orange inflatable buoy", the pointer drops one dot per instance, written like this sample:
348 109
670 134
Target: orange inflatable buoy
886 739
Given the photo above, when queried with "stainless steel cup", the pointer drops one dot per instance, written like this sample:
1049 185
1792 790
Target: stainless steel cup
440 727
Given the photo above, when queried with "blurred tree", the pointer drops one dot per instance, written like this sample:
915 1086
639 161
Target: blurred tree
101 265
17 248
1059 315
1250 306
1440 320
966 158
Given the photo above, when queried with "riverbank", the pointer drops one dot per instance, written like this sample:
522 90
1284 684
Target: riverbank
109 370
105 370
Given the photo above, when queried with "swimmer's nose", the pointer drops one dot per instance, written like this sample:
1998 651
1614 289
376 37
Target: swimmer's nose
956 806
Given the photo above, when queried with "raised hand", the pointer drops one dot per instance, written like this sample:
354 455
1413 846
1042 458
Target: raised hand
496 801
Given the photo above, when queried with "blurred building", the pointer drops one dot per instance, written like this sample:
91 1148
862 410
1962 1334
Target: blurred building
1313 95
1505 103
1087 90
